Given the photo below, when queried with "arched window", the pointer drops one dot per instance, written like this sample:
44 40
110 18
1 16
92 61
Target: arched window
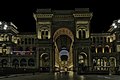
42 34
18 41
84 34
31 62
104 39
106 49
15 62
23 62
81 59
93 49
99 49
108 40
4 62
79 34
93 39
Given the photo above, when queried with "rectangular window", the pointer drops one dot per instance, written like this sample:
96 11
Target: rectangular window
32 40
97 39
93 39
101 39
42 33
22 42
118 48
108 40
46 32
105 39
29 40
25 40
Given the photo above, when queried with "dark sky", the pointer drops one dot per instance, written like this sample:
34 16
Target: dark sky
21 12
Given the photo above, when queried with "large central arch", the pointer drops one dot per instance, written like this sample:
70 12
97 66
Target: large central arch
63 31
67 32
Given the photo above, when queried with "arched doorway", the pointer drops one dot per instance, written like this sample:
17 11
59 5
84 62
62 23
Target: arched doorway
23 62
31 62
82 61
44 62
63 38
15 63
4 62
112 61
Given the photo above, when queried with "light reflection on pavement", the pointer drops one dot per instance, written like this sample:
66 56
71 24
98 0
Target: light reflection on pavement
62 76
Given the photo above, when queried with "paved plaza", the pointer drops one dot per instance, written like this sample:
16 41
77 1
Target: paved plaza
59 76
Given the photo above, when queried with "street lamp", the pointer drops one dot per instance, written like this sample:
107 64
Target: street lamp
116 23
5 26
0 23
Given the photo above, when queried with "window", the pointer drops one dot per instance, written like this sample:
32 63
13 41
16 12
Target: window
99 49
42 33
118 48
108 40
46 37
81 59
106 50
46 32
105 39
18 41
32 40
29 40
93 39
101 39
25 40
79 34
97 39
93 49
22 42
84 34
114 48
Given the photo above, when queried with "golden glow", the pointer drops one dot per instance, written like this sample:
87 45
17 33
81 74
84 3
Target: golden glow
103 50
96 50
43 27
63 31
0 49
109 50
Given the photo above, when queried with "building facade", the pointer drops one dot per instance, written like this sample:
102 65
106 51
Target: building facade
62 41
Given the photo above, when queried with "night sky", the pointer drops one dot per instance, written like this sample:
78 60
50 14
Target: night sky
21 12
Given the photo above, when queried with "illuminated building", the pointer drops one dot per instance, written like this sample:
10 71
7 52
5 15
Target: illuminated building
62 41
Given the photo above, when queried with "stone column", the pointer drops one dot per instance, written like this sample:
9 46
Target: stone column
37 58
51 57
89 58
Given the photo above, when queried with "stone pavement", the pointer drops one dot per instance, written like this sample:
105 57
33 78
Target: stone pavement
59 76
